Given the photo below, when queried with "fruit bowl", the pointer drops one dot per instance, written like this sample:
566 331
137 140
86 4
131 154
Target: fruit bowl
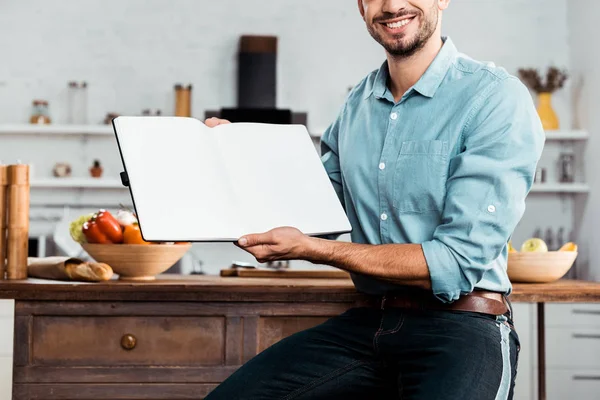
137 262
539 267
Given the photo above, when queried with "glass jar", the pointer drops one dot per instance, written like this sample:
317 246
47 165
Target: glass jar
40 113
77 103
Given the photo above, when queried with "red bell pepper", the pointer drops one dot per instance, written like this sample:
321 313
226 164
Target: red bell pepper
109 226
93 234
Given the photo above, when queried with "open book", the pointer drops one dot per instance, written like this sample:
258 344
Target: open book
192 183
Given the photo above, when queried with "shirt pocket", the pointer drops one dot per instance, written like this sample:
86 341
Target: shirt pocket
420 176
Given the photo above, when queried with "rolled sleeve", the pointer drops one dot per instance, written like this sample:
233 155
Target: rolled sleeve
488 181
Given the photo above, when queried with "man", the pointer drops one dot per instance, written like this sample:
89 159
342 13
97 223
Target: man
432 157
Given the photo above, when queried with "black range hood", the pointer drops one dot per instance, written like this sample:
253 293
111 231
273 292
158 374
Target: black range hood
257 85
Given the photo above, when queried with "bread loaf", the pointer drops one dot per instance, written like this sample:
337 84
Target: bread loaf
68 269
89 271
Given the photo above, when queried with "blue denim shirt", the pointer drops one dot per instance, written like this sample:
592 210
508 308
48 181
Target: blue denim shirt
448 167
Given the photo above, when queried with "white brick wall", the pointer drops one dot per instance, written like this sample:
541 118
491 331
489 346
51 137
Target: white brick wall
132 52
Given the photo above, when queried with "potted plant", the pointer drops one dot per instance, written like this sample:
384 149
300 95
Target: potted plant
555 80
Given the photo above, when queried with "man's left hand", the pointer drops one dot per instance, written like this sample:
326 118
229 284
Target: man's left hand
279 244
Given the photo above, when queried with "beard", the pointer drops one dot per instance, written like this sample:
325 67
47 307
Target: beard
400 46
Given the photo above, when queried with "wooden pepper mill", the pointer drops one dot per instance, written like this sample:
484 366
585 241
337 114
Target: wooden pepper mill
18 221
3 218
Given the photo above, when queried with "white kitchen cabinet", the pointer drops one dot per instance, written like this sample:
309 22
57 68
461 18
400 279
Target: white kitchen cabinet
573 384
6 347
524 323
5 378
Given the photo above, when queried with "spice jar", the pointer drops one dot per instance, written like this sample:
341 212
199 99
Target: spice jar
77 103
40 113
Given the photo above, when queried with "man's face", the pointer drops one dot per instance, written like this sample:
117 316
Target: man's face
402 27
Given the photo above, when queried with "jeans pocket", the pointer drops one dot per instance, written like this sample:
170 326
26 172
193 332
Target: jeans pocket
420 176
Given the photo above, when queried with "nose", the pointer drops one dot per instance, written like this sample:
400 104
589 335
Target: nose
393 6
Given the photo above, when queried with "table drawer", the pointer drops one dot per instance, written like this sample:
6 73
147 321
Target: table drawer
573 347
117 341
573 315
573 384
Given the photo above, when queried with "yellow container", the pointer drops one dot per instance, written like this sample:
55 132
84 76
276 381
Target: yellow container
546 112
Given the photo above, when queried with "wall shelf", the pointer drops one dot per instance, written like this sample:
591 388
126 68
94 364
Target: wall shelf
565 135
560 188
77 183
62 130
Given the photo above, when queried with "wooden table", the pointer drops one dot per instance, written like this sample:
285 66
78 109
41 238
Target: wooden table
178 337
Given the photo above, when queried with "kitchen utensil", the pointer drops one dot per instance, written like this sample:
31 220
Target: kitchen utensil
18 221
536 267
288 273
3 217
137 262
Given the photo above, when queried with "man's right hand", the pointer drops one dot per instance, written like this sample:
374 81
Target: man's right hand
214 121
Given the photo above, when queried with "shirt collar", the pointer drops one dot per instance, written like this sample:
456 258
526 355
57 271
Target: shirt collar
431 79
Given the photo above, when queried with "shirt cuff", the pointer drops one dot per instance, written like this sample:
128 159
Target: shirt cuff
445 273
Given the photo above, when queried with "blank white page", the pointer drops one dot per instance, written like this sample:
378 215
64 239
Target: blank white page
279 180
178 180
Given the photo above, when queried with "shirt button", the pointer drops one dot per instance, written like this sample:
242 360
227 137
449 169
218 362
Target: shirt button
384 217
491 209
382 166
394 116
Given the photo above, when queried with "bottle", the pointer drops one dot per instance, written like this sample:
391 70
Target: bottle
560 240
549 239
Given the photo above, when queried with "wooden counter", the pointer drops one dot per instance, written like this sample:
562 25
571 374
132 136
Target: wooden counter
177 337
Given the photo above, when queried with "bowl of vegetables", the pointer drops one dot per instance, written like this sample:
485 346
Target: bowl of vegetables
117 241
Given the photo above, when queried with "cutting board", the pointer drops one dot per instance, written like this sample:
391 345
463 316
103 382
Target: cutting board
286 273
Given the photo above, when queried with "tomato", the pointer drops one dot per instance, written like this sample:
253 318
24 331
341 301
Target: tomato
133 235
109 226
93 234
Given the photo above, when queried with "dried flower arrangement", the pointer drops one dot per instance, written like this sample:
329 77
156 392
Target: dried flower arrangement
555 79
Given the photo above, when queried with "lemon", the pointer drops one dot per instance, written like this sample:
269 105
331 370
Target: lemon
511 249
569 247
534 245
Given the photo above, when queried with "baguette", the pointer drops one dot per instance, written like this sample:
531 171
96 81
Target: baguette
89 272
68 269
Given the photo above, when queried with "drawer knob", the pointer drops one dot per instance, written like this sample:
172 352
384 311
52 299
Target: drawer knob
128 342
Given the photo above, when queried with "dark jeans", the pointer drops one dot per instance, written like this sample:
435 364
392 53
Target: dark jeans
372 354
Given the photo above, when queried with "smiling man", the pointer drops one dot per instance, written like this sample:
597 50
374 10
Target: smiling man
432 156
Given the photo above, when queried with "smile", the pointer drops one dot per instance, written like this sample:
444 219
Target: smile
398 24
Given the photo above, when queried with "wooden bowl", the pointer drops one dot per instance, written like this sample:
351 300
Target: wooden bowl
137 262
532 267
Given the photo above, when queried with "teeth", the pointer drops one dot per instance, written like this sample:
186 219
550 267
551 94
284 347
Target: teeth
398 24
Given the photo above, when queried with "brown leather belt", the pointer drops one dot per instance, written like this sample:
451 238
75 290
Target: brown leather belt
483 302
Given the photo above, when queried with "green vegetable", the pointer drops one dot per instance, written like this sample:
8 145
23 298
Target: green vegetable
75 229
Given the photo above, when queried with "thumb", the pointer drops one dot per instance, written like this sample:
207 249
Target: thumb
252 240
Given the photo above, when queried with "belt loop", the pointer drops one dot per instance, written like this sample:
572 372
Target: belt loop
382 302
